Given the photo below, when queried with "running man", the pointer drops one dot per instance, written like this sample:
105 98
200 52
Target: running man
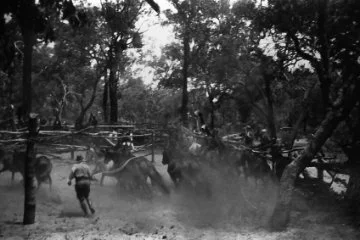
81 172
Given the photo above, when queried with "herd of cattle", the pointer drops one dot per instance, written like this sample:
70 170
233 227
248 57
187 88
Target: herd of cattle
185 166
14 161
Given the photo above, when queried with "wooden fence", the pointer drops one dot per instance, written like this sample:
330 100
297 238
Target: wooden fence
104 136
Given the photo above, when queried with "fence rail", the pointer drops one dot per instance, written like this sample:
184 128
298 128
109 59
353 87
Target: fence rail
71 140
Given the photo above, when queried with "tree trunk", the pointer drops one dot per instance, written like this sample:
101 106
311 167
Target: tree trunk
295 129
105 102
29 174
304 111
27 25
28 34
185 98
324 73
212 119
353 193
212 114
270 115
281 215
353 190
113 84
79 122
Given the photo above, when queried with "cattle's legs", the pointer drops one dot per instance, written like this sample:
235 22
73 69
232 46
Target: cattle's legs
50 183
12 176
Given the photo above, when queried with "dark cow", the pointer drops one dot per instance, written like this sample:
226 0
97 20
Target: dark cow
43 168
102 164
186 171
133 170
173 170
6 159
255 164
15 162
252 164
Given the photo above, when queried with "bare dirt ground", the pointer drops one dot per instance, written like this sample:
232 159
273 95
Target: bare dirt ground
182 215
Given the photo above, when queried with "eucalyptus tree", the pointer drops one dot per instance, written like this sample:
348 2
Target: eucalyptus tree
119 33
326 34
66 73
168 67
10 62
188 14
34 19
81 65
225 52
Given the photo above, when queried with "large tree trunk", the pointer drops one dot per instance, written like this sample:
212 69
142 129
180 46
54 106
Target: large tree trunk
105 102
185 98
29 175
28 35
353 193
113 84
270 114
79 123
304 111
353 190
26 20
212 117
281 215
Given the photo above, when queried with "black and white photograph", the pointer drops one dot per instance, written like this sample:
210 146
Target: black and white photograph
180 119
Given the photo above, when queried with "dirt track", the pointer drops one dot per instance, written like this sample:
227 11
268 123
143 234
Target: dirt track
123 216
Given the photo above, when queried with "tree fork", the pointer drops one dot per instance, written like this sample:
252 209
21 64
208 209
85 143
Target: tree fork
29 173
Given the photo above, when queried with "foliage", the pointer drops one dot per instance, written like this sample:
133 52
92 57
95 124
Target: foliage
141 104
323 32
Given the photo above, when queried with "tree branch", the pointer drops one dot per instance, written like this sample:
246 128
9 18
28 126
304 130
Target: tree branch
303 54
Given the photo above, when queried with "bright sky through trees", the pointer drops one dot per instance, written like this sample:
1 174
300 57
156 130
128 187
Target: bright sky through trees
155 36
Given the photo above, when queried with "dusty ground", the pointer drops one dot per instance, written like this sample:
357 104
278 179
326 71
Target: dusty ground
179 216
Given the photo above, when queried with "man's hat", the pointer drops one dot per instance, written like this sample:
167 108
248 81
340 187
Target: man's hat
79 158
